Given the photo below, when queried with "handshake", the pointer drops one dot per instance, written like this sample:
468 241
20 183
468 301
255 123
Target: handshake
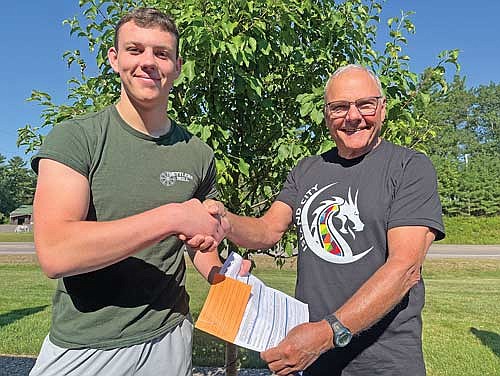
203 225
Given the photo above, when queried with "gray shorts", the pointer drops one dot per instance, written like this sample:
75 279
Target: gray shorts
169 354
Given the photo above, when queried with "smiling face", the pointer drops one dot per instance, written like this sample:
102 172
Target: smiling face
147 64
354 134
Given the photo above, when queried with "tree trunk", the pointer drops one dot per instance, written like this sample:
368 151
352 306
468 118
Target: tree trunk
231 359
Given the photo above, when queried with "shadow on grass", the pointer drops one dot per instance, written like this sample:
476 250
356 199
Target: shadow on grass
18 314
490 339
209 351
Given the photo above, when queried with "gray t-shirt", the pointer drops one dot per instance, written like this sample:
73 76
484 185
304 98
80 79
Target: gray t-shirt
343 209
143 296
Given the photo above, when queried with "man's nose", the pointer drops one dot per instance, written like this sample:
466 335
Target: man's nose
353 113
148 59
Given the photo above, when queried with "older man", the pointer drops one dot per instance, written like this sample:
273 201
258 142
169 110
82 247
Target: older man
366 213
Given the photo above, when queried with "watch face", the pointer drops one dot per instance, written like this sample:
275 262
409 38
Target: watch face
343 338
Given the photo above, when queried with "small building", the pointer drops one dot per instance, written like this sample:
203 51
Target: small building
23 215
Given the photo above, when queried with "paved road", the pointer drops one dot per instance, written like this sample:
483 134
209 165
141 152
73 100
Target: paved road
463 251
436 251
7 248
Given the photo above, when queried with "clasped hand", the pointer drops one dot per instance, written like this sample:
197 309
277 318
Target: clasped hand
212 226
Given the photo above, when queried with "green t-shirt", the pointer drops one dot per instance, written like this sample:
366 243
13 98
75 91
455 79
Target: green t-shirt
129 172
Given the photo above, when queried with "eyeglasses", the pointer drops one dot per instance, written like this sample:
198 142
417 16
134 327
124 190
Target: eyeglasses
366 107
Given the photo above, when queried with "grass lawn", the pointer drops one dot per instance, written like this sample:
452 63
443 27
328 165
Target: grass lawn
461 317
16 236
25 305
472 230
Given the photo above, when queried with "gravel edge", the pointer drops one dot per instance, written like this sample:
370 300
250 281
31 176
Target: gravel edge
21 366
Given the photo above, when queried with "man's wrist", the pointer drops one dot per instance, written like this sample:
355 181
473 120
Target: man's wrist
341 335
171 214
329 341
227 224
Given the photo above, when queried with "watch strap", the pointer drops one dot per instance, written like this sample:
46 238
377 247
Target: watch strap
341 335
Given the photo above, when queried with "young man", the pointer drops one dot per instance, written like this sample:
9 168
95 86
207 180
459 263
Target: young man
115 190
366 213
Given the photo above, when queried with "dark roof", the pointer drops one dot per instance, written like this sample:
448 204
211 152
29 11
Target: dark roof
22 210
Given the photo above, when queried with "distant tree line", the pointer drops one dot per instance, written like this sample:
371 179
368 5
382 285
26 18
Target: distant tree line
466 149
17 185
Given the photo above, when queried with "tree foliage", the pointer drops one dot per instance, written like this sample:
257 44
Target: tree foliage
252 81
17 185
466 151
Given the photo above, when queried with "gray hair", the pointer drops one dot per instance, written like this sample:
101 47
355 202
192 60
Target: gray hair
350 67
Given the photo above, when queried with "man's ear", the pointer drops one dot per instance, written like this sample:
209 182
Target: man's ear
178 66
113 58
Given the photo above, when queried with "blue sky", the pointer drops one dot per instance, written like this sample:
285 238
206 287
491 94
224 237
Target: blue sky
34 40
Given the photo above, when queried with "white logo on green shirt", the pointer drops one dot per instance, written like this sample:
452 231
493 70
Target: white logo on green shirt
169 178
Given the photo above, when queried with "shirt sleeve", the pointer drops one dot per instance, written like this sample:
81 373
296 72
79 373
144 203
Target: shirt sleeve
66 143
416 201
208 187
289 192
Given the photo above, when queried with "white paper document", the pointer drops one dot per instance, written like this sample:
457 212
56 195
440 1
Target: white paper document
269 315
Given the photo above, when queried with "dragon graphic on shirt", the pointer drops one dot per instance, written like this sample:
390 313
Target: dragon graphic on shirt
335 221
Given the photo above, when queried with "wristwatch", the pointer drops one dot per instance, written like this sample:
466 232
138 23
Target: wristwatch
341 335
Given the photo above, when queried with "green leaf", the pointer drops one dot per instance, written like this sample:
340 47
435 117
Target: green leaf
220 166
283 152
306 108
253 44
188 70
316 116
243 167
268 191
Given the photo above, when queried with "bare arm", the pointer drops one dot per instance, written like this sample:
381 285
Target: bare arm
67 244
376 297
407 249
260 233
207 263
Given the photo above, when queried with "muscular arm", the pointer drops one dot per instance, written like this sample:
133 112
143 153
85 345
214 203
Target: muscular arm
376 297
67 244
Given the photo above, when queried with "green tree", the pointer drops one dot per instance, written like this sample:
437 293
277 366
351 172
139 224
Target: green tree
5 202
252 82
485 117
466 152
481 175
449 115
17 185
